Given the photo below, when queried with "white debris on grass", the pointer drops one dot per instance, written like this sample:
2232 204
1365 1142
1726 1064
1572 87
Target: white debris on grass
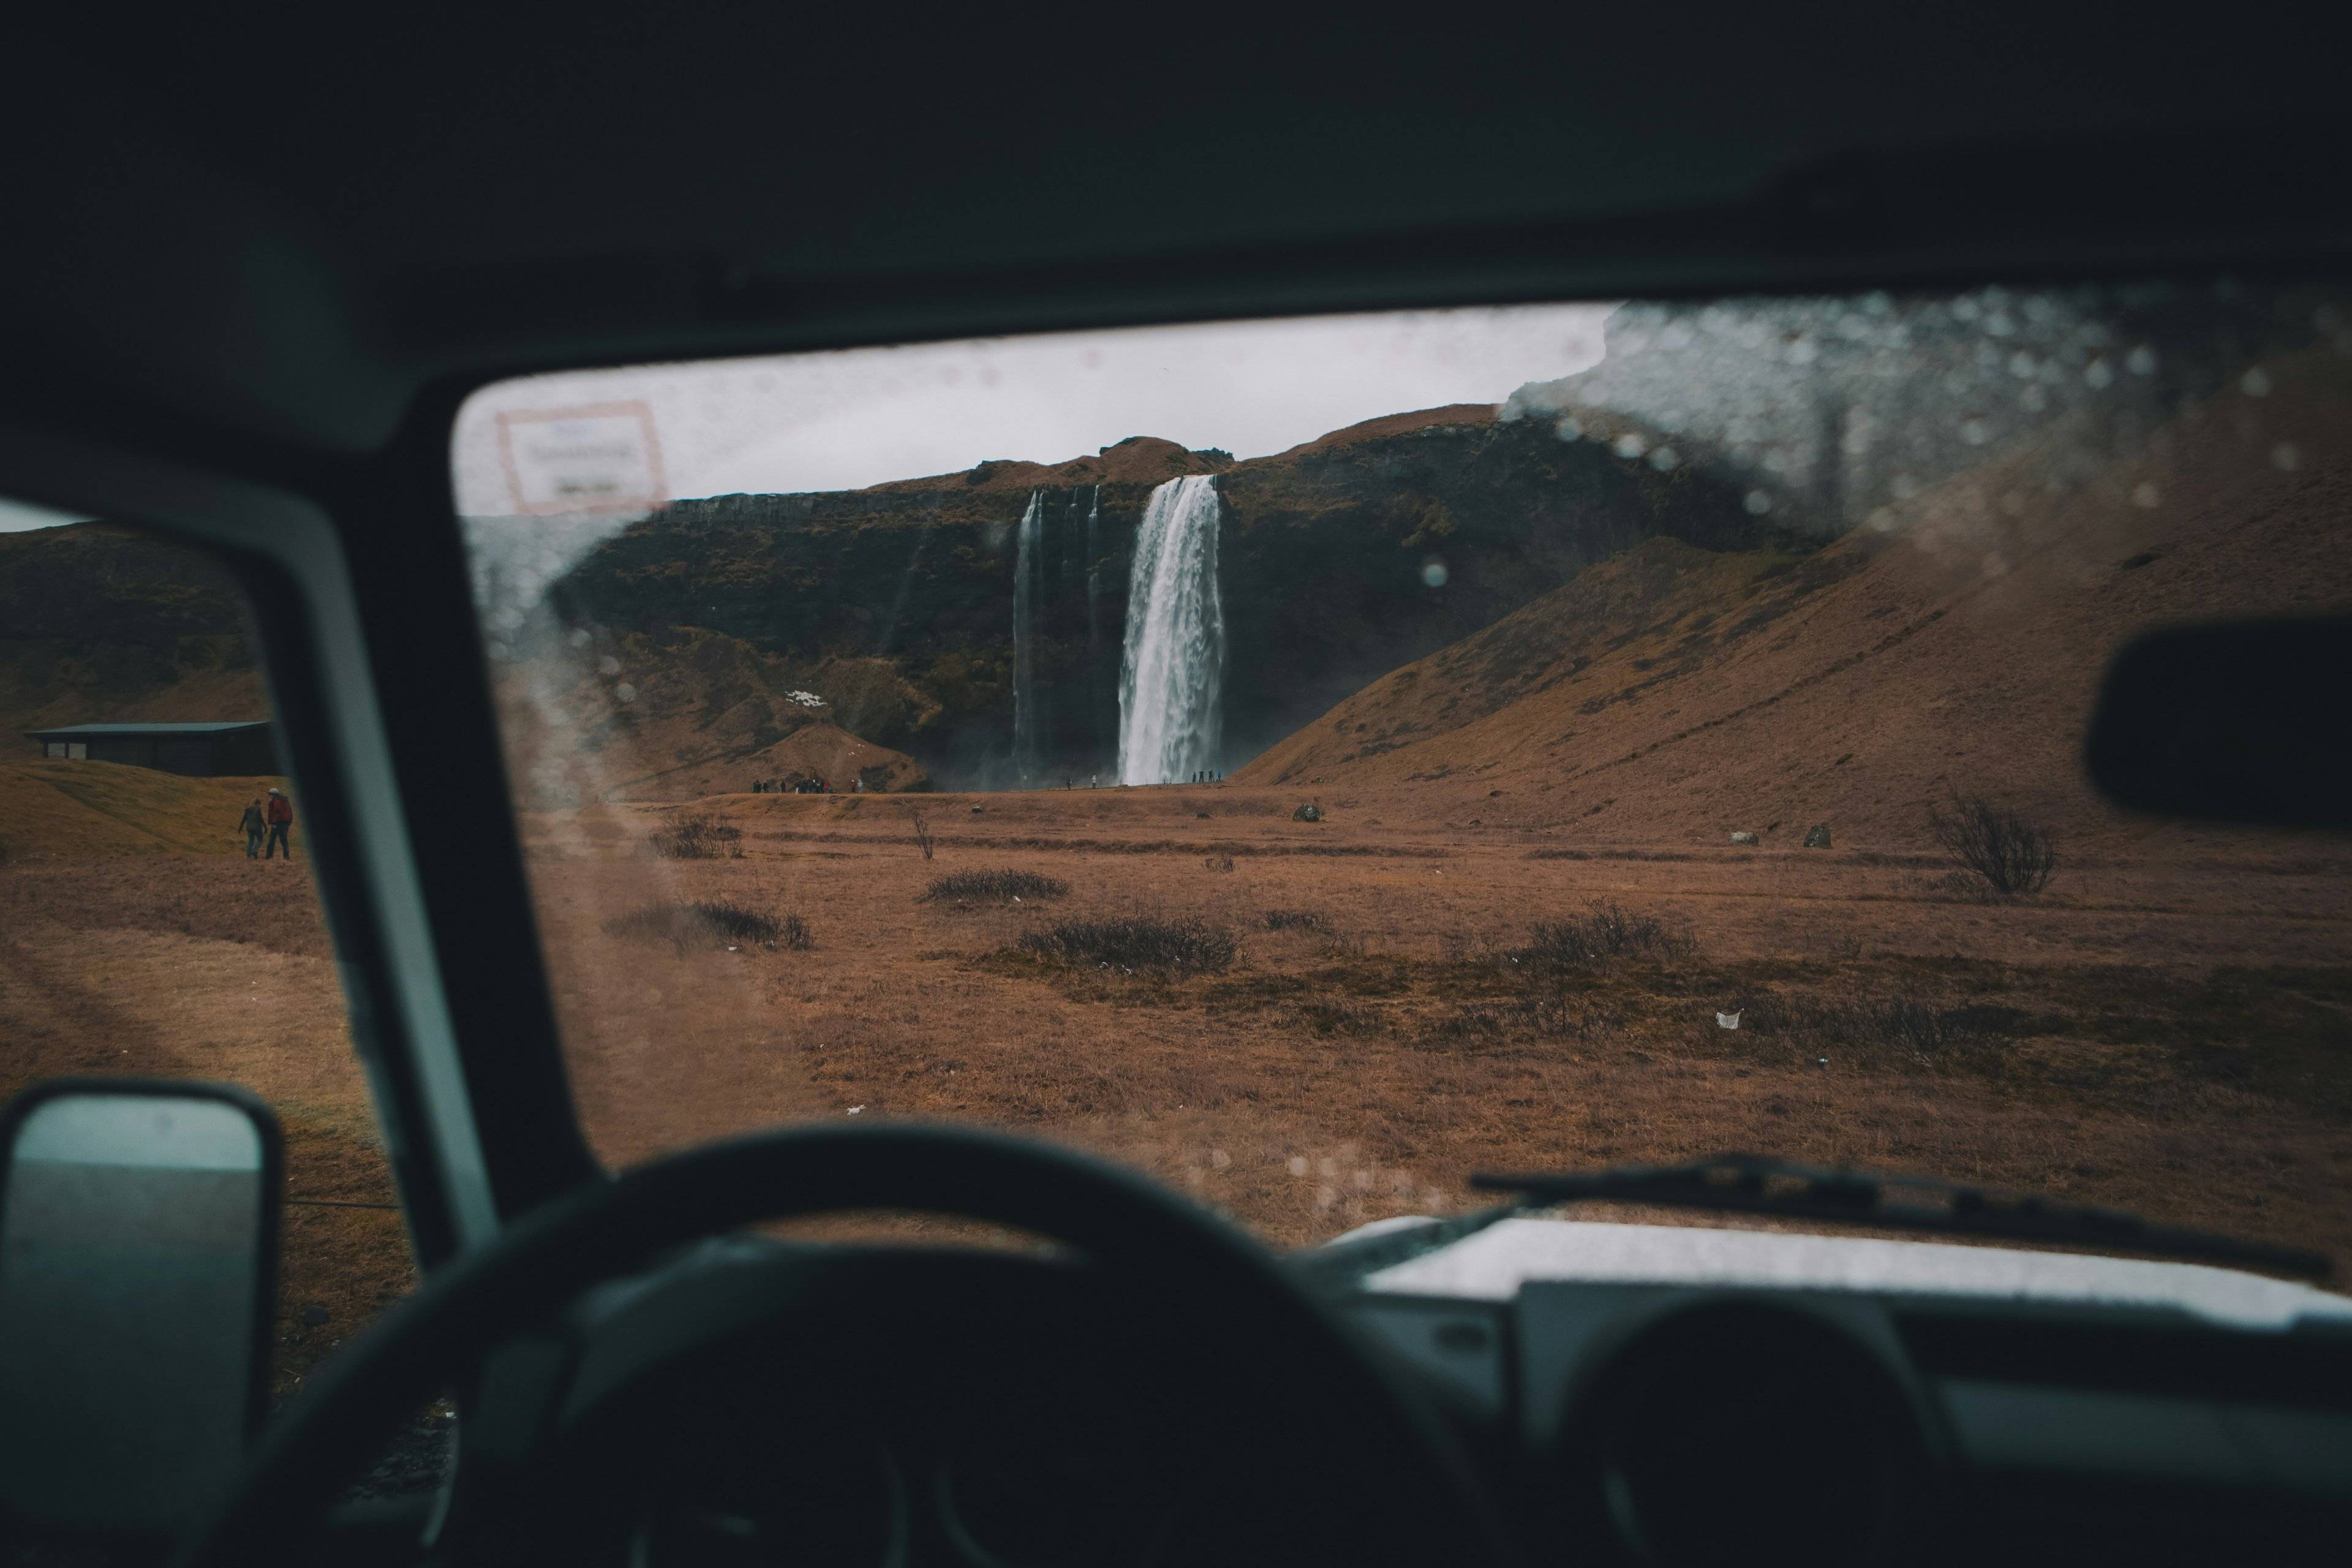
1729 1020
853 1110
805 698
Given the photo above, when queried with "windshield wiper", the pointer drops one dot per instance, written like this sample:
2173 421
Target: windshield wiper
1752 1183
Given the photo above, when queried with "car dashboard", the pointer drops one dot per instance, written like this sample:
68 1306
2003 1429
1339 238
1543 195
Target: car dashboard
755 1401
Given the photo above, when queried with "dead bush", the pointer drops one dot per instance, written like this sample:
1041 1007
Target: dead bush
701 837
992 886
1295 919
1136 942
1605 933
1219 862
2012 855
710 924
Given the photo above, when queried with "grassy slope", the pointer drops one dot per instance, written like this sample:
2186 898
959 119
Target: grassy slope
60 808
1674 695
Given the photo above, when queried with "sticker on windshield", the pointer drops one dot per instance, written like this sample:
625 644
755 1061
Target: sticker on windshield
605 457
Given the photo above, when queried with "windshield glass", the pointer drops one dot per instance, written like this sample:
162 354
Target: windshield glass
1315 761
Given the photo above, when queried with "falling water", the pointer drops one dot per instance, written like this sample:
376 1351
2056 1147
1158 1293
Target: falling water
1028 570
1168 684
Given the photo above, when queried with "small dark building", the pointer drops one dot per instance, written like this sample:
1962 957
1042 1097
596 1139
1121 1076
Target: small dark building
237 748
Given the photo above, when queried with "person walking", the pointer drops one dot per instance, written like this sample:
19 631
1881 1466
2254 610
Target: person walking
255 826
280 813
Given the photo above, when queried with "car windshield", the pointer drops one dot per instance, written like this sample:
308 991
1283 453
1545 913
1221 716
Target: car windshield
1314 760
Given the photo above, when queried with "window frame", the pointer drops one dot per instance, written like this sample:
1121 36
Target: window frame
433 932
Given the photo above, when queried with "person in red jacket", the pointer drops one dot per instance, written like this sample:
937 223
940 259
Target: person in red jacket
280 813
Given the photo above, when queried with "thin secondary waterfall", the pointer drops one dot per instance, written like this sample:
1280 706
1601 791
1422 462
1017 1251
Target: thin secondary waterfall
1169 715
1028 571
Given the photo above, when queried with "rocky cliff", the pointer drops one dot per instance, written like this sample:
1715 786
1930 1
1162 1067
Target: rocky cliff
1340 559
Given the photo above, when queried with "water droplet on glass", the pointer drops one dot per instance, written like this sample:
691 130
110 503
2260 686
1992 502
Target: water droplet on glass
2255 382
2099 375
2286 457
2141 360
1664 460
608 664
1432 573
626 692
1630 445
1571 428
1758 503
2144 496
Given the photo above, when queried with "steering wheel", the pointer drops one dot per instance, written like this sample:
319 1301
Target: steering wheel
1270 1333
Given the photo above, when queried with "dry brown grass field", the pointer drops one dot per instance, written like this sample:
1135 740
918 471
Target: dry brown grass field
2170 1033
215 967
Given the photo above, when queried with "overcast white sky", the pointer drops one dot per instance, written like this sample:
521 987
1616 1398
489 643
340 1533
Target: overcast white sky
845 420
16 516
841 421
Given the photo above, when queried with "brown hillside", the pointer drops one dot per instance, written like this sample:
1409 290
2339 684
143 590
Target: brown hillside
1671 694
60 808
696 713
101 623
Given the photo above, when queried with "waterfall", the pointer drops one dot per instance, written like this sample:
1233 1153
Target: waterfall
1028 573
1094 626
1168 683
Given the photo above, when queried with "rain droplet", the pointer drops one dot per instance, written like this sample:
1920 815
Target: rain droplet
2286 457
1432 573
1665 459
1758 503
1630 445
2144 496
2255 382
2141 360
2100 375
1571 428
626 692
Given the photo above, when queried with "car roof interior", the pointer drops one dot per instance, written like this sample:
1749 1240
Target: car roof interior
258 251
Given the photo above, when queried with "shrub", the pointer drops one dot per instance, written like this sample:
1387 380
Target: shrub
1219 862
921 822
1605 931
695 838
962 886
709 924
2014 856
1135 942
1295 919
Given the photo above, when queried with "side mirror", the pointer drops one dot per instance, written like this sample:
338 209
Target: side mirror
2236 722
138 1271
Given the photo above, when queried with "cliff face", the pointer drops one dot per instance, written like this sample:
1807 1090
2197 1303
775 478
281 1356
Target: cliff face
1340 559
